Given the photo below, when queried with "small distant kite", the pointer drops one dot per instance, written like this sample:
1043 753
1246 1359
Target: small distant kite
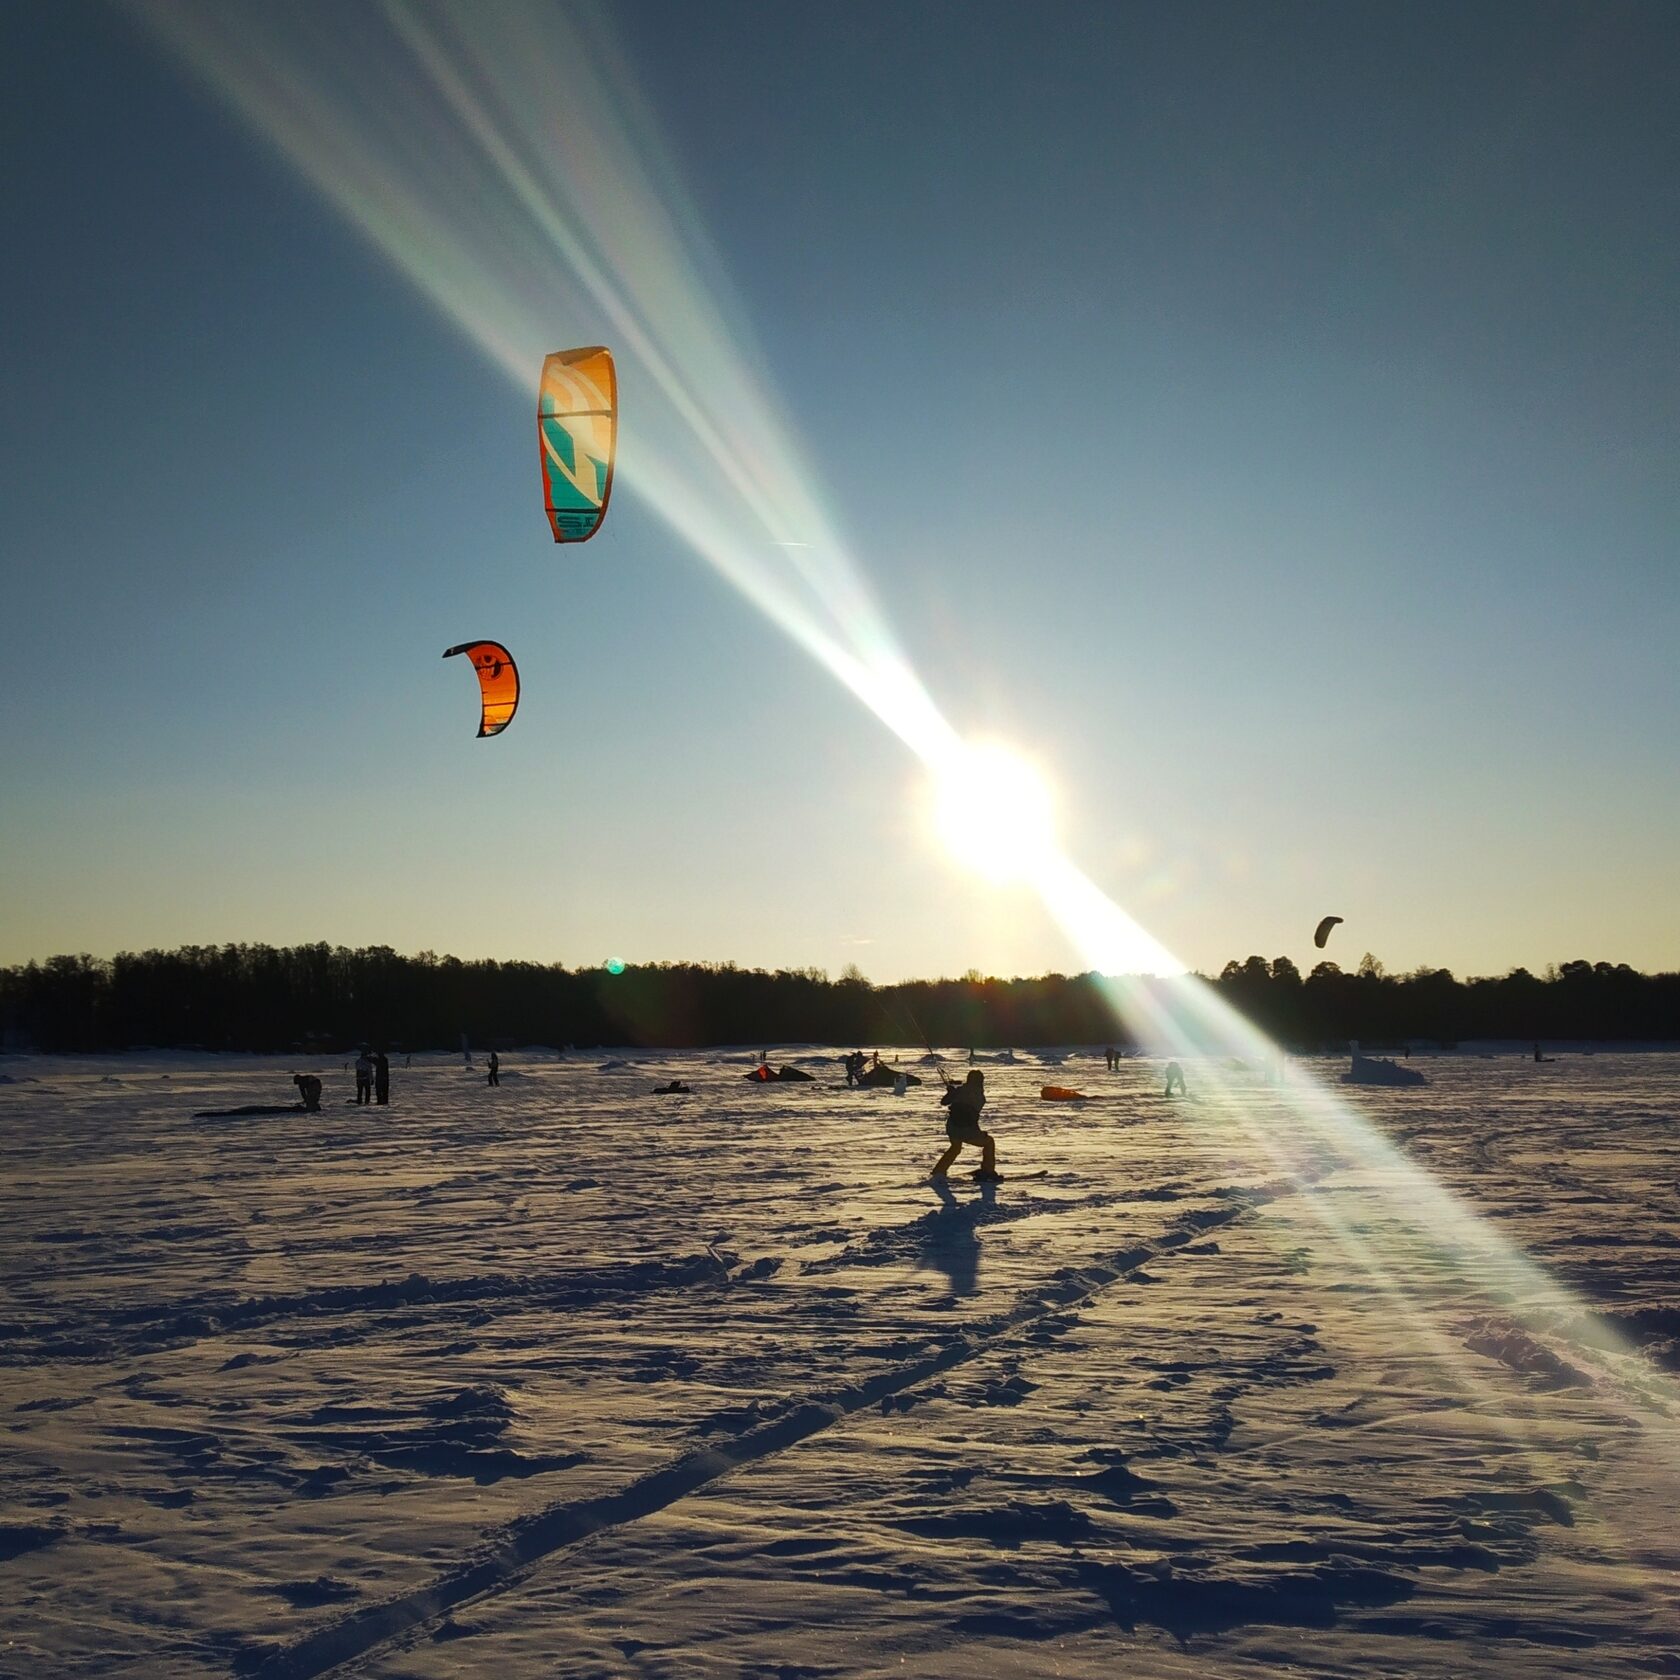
498 683
1323 932
577 434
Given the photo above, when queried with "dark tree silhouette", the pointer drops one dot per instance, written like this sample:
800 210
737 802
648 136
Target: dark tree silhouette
321 997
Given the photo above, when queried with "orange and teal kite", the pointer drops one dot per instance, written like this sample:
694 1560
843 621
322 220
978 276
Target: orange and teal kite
498 683
577 435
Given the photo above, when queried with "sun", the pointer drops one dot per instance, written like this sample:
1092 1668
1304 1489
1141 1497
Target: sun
994 813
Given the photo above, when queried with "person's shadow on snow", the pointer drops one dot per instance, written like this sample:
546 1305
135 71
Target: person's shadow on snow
950 1242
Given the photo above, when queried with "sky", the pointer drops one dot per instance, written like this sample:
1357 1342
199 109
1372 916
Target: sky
1263 418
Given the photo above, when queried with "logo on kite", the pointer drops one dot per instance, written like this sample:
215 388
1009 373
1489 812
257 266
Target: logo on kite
577 436
498 683
1323 931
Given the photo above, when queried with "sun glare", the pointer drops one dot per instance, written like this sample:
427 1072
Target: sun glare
994 813
444 148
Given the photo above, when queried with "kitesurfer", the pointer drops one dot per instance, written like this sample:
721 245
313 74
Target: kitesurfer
381 1077
495 1069
962 1125
309 1088
1175 1079
364 1077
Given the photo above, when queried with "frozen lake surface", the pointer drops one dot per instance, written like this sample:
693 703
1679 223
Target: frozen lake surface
565 1378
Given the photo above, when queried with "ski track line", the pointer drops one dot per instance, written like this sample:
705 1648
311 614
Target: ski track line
511 1553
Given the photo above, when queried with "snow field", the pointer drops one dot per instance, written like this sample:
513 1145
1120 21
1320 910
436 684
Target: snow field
566 1378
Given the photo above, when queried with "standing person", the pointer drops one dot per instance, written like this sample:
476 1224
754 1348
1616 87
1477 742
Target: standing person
495 1069
1175 1077
381 1077
364 1077
962 1125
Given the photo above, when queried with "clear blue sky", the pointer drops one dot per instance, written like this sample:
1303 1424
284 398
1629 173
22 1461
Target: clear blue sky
1266 417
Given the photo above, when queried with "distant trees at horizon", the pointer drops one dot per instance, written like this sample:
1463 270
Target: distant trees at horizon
324 998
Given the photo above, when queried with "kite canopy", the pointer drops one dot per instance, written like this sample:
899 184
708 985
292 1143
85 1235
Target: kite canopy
1323 931
498 683
577 433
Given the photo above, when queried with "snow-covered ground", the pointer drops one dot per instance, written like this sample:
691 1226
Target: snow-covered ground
565 1378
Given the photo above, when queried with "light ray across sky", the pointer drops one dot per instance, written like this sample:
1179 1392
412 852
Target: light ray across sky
501 157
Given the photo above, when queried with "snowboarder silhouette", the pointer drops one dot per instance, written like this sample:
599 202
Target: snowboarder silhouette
963 1125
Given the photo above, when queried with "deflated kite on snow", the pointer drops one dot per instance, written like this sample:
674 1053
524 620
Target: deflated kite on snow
577 432
498 683
1324 928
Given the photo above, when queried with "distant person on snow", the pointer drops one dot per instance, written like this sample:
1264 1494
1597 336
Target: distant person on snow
495 1069
309 1088
381 1077
364 1078
1175 1079
962 1125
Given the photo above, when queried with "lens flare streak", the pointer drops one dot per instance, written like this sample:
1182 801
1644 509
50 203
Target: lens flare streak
502 159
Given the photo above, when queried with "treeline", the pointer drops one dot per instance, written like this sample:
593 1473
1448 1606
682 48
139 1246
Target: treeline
328 998
1575 1000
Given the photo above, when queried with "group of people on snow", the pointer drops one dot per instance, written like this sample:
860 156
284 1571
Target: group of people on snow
856 1063
373 1077
964 1098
